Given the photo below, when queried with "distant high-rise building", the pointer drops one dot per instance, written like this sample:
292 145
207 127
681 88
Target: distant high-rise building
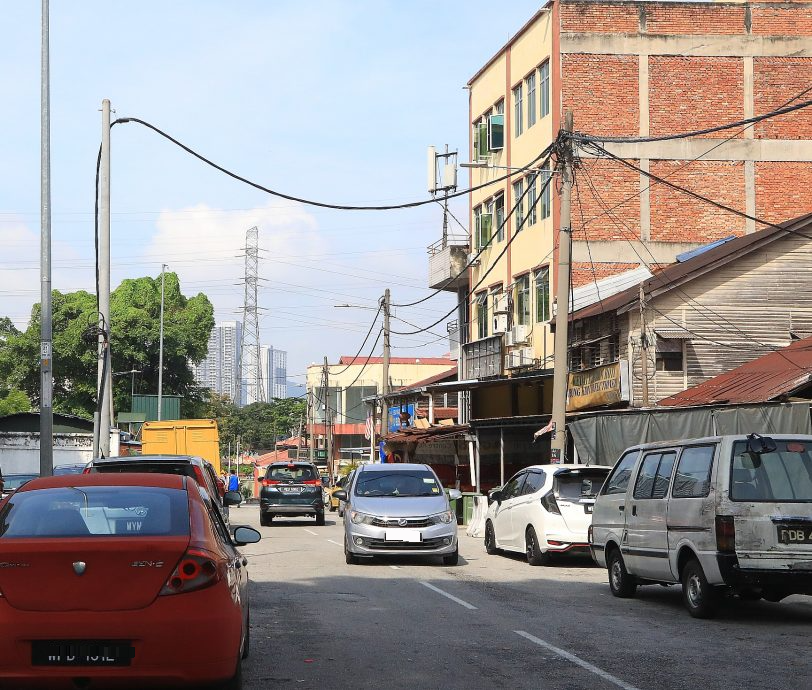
219 370
275 372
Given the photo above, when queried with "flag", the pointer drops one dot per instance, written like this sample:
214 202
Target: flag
545 430
369 427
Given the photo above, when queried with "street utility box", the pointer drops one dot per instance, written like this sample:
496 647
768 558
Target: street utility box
183 437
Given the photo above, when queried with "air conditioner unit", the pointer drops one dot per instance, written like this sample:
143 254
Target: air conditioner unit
520 334
499 323
513 360
526 354
472 259
509 338
500 303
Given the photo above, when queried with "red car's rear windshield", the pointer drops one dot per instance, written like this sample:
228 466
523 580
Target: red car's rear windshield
130 511
298 473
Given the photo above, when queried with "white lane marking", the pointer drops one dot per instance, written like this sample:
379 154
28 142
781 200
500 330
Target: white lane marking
310 531
395 567
576 660
449 596
335 542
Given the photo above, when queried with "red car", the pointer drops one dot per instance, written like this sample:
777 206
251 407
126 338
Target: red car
120 580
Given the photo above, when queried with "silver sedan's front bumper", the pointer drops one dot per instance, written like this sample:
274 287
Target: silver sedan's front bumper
369 540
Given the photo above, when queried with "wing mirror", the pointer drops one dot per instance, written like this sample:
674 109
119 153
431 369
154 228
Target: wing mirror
454 494
757 445
341 495
495 495
232 498
246 535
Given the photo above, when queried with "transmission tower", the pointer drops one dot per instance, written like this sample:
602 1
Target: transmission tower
250 369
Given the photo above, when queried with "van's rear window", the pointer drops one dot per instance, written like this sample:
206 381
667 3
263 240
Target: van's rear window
783 476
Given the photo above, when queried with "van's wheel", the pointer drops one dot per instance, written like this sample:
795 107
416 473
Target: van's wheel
490 539
700 598
621 583
320 518
535 556
265 519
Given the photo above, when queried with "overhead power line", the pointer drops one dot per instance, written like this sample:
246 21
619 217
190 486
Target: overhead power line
290 197
696 133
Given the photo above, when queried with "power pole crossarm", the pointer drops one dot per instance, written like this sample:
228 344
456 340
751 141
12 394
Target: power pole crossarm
558 442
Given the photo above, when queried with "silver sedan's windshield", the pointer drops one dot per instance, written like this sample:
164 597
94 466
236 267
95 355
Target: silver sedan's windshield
397 483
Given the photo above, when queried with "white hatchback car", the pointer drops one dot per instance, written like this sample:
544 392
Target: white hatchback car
544 510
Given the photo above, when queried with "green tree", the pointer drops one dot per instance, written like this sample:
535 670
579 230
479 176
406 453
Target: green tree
260 425
134 342
15 401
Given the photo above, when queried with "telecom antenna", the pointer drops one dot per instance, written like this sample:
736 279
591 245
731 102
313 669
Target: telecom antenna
250 367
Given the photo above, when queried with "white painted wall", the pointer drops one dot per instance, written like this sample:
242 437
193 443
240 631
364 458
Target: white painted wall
19 451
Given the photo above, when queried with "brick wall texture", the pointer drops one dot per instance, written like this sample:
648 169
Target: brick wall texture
693 93
584 273
685 93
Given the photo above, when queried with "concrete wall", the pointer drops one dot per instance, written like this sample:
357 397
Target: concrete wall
19 451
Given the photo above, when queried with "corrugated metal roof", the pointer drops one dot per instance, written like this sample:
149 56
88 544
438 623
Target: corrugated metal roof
772 376
606 287
676 274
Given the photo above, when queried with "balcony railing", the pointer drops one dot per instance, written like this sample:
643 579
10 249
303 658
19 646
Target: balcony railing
447 260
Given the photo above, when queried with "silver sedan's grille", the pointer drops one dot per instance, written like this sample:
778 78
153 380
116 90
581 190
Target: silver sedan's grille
402 522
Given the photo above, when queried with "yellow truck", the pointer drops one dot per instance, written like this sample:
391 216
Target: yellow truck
183 437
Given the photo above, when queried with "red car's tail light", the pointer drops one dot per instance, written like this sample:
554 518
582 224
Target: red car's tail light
86 470
196 570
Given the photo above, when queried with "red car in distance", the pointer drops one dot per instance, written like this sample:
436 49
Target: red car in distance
120 580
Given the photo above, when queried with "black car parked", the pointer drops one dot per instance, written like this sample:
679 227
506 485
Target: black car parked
291 489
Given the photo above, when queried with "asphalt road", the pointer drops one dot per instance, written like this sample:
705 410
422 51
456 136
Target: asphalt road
494 622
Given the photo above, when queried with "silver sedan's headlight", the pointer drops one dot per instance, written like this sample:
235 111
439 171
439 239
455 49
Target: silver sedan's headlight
361 518
445 518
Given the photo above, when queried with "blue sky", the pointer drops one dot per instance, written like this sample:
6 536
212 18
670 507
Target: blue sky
329 100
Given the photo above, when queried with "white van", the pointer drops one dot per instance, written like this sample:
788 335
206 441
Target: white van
722 513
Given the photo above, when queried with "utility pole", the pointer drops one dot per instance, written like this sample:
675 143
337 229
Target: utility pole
299 438
558 440
46 413
105 372
311 421
643 346
161 350
386 309
328 418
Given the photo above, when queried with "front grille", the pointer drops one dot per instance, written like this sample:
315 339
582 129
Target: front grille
410 522
404 545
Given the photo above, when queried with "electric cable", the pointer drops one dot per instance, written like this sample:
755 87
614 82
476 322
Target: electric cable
366 364
493 263
587 138
369 332
301 200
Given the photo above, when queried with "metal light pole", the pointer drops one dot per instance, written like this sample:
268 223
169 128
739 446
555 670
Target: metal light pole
161 348
104 378
46 415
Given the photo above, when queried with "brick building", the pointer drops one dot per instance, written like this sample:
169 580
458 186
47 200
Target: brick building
631 69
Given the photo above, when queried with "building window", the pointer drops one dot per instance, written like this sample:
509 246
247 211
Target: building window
518 202
544 89
531 99
542 280
546 174
482 227
531 200
499 108
499 217
523 300
518 125
482 314
669 361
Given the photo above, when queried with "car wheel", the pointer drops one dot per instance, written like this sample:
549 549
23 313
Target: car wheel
265 519
320 518
452 558
490 539
349 557
534 555
700 597
340 511
333 508
621 583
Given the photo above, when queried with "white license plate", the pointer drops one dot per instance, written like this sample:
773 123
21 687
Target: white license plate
410 535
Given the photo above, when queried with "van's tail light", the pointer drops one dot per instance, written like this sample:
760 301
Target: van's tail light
312 482
270 482
725 534
196 570
549 503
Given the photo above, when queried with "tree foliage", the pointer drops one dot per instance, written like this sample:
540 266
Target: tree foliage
134 341
258 426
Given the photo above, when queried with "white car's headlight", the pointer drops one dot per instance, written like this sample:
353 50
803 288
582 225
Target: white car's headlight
445 518
361 518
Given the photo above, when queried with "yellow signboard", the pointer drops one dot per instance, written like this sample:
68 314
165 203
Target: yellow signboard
605 385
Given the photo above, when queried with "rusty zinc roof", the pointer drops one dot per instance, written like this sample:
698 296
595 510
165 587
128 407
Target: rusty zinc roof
773 376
